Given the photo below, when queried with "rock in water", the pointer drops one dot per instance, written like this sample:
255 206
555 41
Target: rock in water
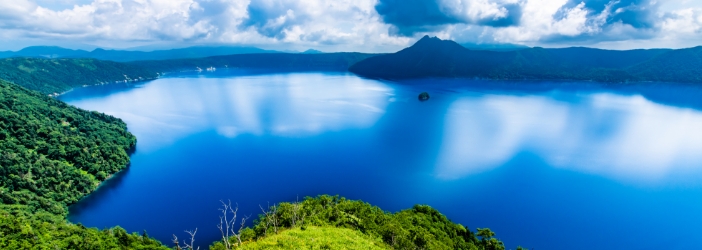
424 96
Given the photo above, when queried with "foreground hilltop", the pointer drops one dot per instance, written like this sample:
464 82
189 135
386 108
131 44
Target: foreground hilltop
433 57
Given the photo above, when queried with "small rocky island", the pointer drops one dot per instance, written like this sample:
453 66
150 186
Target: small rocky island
424 96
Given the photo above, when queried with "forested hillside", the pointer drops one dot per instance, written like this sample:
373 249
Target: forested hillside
21 229
433 57
53 154
58 75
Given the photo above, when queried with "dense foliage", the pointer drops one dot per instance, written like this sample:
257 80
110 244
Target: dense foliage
53 154
20 229
58 75
317 238
432 57
272 61
420 227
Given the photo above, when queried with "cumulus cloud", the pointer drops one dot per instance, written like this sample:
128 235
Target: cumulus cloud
682 24
593 21
108 19
311 23
412 16
363 25
318 22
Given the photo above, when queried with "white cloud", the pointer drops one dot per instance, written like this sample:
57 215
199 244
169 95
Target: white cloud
315 23
682 23
475 10
342 24
108 19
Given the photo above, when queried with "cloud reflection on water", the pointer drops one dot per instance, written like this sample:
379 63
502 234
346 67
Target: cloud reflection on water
622 137
281 105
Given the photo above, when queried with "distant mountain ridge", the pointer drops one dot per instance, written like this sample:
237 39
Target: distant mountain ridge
132 55
494 46
428 57
433 57
283 62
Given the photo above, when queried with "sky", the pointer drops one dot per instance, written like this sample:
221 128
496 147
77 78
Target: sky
349 25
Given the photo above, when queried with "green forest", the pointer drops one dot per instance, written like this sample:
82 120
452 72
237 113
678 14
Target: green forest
52 155
51 76
292 225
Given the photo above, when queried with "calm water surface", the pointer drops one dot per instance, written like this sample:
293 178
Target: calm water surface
545 165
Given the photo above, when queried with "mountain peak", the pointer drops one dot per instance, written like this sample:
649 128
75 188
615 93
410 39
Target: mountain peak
434 43
428 39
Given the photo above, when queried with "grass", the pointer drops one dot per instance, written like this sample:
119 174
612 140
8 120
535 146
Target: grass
317 238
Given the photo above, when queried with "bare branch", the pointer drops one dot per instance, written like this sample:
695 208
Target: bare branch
190 246
271 217
241 228
175 241
227 224
268 221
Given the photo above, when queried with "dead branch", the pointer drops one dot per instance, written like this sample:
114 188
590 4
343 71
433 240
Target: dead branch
192 240
241 228
175 241
271 218
225 224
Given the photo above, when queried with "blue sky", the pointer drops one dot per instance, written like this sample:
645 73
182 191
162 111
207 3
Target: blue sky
349 25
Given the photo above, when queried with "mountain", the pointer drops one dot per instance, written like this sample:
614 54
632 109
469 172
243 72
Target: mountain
132 55
433 57
44 52
190 52
269 61
683 65
312 51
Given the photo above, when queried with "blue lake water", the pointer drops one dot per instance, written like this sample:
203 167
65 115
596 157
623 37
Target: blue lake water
546 165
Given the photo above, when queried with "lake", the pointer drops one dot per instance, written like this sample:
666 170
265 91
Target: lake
546 165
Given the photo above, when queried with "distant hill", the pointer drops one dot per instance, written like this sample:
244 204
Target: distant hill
494 46
269 61
43 51
190 52
58 75
433 57
312 51
683 65
132 55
